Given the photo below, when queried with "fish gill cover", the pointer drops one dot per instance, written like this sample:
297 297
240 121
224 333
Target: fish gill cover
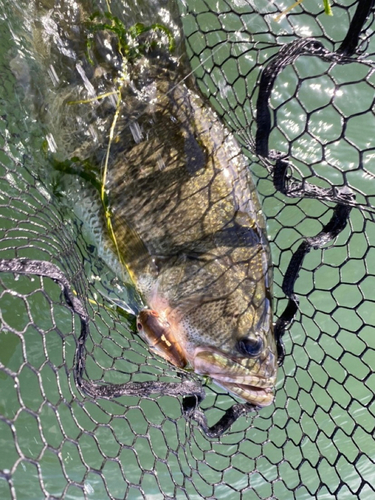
302 87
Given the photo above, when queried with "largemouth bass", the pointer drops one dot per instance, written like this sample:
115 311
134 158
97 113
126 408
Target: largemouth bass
184 213
189 226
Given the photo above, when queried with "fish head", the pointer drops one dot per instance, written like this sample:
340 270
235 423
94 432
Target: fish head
237 353
219 330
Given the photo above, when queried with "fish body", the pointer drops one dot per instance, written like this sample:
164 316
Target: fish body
184 209
189 226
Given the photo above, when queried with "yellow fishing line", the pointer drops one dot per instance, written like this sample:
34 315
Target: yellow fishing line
285 12
327 9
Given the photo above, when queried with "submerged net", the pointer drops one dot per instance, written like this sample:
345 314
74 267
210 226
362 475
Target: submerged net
316 441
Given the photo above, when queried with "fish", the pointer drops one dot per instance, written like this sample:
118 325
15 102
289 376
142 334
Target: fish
183 208
188 223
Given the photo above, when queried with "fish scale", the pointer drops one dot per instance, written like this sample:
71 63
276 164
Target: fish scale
190 228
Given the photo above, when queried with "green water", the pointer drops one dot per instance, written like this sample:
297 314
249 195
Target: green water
323 416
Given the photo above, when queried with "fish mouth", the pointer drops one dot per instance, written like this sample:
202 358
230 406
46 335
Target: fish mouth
251 379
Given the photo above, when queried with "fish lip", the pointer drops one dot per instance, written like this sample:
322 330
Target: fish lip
257 396
254 388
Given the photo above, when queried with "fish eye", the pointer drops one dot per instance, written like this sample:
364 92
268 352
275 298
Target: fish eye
250 346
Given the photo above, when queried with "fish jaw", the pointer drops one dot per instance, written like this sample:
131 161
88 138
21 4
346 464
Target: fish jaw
252 379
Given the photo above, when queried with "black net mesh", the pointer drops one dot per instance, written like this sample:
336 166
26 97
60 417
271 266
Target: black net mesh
316 441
